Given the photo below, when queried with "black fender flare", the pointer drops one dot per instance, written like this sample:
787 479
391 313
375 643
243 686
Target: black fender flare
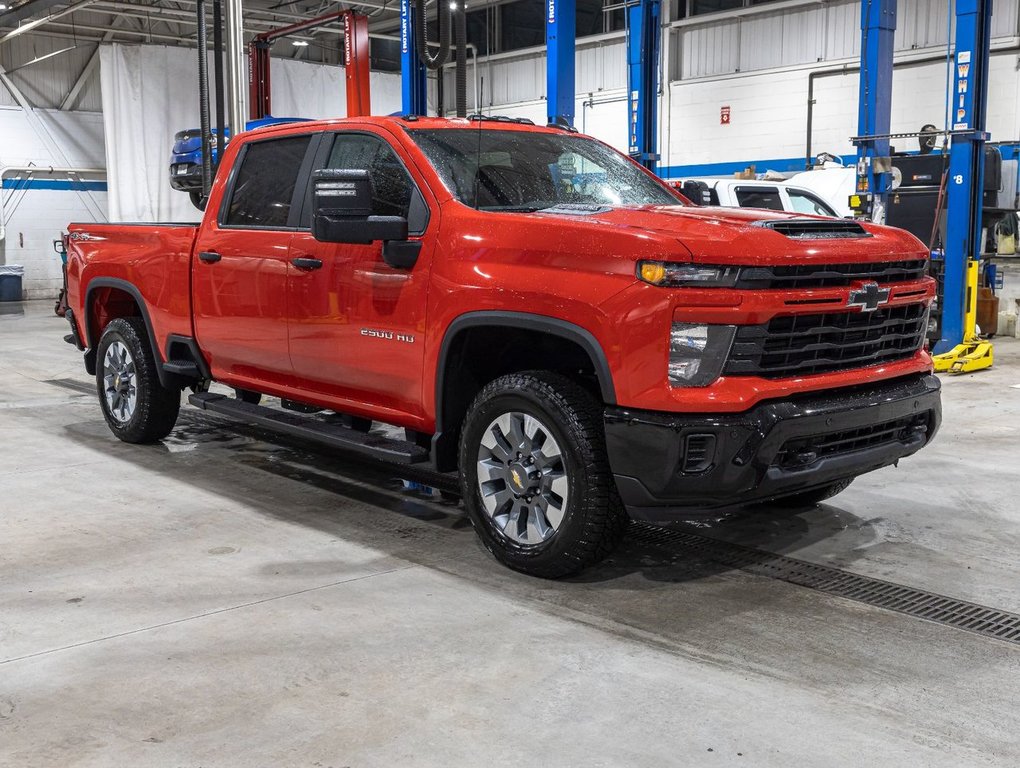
92 343
531 322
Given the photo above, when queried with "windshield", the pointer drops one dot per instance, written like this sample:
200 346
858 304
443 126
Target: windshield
495 170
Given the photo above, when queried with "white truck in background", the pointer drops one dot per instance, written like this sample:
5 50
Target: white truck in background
751 193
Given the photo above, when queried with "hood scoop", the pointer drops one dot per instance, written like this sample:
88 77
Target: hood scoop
815 229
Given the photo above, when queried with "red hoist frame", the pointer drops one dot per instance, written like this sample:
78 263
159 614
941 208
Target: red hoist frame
356 63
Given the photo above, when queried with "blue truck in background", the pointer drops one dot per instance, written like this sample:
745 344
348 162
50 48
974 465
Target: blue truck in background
186 155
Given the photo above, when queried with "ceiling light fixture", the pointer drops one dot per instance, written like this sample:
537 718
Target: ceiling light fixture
301 43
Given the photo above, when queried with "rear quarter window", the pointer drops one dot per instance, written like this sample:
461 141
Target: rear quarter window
263 189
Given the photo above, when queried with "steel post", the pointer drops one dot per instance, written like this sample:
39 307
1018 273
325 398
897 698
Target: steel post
560 37
966 165
412 70
237 80
643 37
874 168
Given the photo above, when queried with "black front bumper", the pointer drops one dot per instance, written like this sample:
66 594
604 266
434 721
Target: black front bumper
667 464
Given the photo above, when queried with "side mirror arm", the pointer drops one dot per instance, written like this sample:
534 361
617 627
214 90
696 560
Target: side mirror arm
401 254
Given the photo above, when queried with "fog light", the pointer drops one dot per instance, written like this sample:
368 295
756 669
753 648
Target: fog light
697 353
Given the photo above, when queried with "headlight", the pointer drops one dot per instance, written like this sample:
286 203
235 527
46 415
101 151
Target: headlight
671 275
697 353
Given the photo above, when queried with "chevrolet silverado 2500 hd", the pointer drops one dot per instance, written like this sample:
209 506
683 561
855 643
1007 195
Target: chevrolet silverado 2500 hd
537 312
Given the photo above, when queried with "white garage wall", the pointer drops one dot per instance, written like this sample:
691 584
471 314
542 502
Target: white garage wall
758 65
37 209
150 93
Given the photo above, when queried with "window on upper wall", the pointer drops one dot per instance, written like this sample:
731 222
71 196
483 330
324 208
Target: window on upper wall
478 30
522 24
384 54
713 6
264 188
589 18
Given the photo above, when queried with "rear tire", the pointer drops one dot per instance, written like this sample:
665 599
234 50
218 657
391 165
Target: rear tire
547 504
814 496
137 408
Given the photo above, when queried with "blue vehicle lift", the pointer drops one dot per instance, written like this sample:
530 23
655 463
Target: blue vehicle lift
560 36
963 351
643 35
412 70
965 184
874 168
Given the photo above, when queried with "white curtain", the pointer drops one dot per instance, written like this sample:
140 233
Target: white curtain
151 92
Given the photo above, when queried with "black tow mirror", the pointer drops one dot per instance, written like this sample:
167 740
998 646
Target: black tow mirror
342 213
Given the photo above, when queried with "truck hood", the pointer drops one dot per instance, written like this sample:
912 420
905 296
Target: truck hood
740 235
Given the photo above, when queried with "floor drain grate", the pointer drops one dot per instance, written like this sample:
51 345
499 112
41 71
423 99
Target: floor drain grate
930 606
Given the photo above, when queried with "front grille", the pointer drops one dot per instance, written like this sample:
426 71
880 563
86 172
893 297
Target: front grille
802 452
800 345
815 229
831 275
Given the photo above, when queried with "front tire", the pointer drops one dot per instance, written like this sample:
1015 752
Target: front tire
137 408
535 475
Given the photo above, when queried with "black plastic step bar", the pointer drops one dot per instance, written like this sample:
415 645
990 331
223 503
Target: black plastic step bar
332 435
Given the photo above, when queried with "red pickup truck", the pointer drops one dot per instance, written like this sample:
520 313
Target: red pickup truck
536 312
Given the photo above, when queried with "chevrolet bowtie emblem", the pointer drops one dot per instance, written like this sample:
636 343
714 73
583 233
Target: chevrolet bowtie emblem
868 297
517 478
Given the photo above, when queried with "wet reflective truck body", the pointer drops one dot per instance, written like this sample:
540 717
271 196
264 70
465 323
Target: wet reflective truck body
539 314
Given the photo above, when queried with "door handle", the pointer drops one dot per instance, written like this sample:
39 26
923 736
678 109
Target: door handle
209 257
306 262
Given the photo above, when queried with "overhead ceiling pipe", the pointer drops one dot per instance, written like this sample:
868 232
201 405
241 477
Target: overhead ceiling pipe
13 16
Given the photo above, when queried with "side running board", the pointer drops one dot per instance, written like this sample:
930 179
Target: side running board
332 435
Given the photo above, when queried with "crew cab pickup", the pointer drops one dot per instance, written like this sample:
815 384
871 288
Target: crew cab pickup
743 193
539 314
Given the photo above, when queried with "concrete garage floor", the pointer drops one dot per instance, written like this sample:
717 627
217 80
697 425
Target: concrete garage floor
230 599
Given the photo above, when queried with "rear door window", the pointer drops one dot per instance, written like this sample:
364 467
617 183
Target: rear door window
759 197
263 190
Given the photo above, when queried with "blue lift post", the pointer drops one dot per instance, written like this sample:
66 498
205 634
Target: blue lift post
874 168
412 70
966 165
643 36
560 34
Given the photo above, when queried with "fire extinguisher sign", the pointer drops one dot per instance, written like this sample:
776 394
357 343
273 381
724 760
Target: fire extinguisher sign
724 115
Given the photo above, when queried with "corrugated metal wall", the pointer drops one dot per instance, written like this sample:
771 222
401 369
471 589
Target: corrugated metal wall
601 65
46 83
822 32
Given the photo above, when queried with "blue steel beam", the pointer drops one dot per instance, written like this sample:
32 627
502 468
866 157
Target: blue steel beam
878 30
643 81
560 34
412 71
966 163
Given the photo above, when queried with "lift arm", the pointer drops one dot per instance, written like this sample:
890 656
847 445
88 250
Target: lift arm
356 62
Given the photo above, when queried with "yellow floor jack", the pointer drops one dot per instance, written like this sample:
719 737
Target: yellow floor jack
975 353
